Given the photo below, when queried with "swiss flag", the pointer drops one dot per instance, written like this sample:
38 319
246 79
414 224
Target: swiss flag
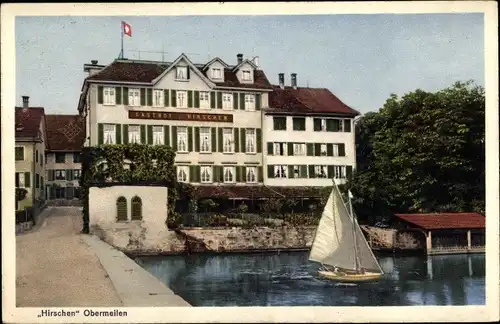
127 29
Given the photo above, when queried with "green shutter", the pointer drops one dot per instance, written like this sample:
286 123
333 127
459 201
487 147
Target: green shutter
235 101
100 134
238 173
125 96
259 140
258 101
196 99
348 171
291 175
290 149
166 134
317 124
310 149
190 139
27 180
150 134
198 173
341 149
212 99
243 148
270 171
303 171
192 173
143 134
150 97
260 174
190 99
219 100
213 132
173 98
118 94
143 96
118 133
51 175
221 140
100 95
270 148
125 134
330 125
311 172
69 175
196 139
243 173
347 125
236 140
221 173
174 138
242 101
317 149
330 171
165 97
216 174
329 149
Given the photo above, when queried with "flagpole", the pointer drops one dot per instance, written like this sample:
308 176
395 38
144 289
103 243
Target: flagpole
121 52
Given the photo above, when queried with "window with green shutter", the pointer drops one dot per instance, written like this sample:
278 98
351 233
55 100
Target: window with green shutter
121 209
143 134
347 125
196 99
242 101
243 140
213 131
236 140
331 172
173 98
196 139
330 125
220 139
329 149
279 123
143 96
150 134
317 124
260 174
19 153
259 140
125 96
51 175
166 97
270 171
348 171
136 208
290 149
166 134
238 174
27 180
299 123
303 171
317 149
174 138
341 149
100 94
235 101
118 130
190 138
125 134
190 98
310 149
312 175
212 99
270 148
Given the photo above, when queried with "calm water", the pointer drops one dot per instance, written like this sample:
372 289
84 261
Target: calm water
288 279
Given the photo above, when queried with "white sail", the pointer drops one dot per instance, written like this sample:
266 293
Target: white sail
334 243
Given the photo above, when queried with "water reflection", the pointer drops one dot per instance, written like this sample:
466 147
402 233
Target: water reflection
289 279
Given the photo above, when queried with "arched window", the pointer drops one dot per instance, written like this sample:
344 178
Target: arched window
121 209
136 208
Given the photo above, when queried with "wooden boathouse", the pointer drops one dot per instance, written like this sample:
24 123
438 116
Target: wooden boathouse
446 233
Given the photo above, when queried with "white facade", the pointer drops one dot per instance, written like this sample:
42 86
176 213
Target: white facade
292 155
63 169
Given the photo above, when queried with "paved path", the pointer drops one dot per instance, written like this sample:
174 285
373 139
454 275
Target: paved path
55 267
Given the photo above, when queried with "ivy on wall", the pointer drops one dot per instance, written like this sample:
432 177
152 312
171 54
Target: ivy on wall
130 164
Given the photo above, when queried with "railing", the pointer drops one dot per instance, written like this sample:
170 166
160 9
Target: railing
456 249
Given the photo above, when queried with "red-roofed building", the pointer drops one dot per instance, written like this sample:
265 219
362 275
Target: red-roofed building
447 232
30 152
309 136
65 137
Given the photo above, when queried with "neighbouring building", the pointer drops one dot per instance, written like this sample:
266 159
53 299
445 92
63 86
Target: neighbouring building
30 152
210 113
65 136
309 136
446 233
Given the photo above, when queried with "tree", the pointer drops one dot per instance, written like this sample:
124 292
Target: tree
423 152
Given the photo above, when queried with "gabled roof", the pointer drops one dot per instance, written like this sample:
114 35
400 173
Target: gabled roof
236 68
212 61
64 132
27 122
147 72
445 220
307 101
190 64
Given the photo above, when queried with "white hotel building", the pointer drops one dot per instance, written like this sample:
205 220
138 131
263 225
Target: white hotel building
219 119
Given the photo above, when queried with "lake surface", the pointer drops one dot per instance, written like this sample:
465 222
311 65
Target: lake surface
289 279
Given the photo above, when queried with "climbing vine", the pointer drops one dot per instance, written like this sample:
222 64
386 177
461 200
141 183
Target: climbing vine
130 164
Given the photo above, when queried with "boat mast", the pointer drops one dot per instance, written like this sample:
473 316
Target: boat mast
356 258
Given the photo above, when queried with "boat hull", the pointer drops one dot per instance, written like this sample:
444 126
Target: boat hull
345 277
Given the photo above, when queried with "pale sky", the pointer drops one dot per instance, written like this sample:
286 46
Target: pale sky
360 58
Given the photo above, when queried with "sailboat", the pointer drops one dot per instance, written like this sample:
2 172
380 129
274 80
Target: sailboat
340 246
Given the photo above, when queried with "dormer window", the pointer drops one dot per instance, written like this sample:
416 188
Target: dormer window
247 76
216 73
182 73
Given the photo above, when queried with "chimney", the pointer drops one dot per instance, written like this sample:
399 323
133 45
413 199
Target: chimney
94 62
26 101
294 80
240 58
281 77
